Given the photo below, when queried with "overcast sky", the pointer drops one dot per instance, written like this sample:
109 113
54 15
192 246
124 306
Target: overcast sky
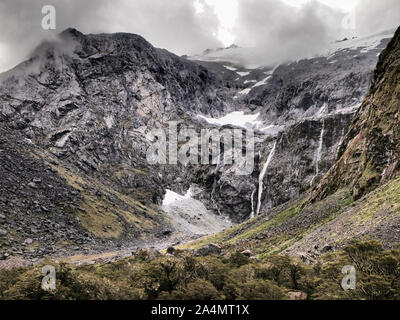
189 26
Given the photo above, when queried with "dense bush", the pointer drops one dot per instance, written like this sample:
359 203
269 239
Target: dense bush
377 273
183 276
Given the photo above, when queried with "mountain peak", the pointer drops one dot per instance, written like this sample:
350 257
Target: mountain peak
71 32
232 46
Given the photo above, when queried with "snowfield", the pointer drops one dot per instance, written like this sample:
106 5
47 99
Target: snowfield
238 119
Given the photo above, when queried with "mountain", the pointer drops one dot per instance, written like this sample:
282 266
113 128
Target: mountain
358 199
332 81
369 155
305 106
74 121
80 107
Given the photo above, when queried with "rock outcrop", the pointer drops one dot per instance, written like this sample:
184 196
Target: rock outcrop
85 103
369 155
80 109
307 108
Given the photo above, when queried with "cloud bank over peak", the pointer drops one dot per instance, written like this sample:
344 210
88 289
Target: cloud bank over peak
279 32
373 16
174 25
275 30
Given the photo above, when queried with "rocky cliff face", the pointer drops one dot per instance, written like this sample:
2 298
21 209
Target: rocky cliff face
369 155
337 79
306 107
89 99
304 153
86 102
359 198
50 207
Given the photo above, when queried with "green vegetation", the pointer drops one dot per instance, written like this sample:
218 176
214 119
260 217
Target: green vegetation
377 273
275 221
183 276
338 217
102 210
385 198
280 228
105 213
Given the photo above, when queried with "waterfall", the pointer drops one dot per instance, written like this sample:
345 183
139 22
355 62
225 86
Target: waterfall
215 184
252 204
317 156
261 177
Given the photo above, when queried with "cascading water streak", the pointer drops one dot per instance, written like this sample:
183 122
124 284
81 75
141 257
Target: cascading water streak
317 157
252 204
262 175
218 166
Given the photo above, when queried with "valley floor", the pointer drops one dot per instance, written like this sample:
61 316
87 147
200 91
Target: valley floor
184 275
296 251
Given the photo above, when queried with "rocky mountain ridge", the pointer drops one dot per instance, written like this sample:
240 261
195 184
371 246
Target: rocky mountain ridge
86 102
369 154
357 200
294 101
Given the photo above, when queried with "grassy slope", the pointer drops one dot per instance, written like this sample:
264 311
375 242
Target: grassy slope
275 230
103 211
298 228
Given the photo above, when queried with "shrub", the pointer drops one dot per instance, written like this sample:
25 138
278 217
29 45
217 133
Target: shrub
201 290
256 289
238 259
187 277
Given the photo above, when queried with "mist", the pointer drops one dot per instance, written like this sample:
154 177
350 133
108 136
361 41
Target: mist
277 32
274 30
374 16
173 25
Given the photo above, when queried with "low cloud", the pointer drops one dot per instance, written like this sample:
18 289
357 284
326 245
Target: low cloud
20 25
373 16
276 30
173 25
279 32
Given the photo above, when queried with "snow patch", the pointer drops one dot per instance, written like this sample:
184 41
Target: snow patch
109 120
272 130
243 74
238 119
271 72
365 44
172 197
190 217
347 110
262 82
245 91
257 84
61 143
230 68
